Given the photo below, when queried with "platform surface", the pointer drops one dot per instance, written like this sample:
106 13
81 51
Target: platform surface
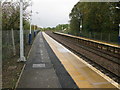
51 65
87 39
41 71
84 75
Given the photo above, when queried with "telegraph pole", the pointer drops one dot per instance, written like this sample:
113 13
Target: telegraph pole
22 57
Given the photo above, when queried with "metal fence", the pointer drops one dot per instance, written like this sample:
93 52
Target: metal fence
111 37
11 42
102 36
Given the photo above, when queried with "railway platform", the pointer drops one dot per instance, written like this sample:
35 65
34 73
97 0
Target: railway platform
41 69
51 65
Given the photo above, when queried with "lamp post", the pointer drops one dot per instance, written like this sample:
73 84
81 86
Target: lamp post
35 26
30 33
119 28
119 35
22 58
80 22
34 30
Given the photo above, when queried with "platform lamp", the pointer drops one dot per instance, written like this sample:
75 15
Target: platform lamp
119 28
35 26
30 33
34 29
119 35
22 57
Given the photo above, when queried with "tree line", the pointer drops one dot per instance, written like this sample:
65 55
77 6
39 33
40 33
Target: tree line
95 17
59 27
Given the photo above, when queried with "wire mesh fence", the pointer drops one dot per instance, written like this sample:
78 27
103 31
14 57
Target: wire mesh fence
109 37
11 42
101 36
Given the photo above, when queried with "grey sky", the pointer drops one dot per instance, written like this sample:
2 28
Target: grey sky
51 12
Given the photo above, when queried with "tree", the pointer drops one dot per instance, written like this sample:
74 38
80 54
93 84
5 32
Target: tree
95 17
11 14
61 27
76 17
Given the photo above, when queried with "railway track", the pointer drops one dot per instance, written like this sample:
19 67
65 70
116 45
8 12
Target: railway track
106 62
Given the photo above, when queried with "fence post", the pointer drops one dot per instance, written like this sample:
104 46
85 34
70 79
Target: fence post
89 34
109 37
101 36
94 35
13 42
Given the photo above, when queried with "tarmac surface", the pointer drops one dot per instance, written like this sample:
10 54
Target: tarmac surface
43 69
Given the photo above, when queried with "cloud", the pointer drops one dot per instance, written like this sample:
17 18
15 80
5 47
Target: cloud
51 12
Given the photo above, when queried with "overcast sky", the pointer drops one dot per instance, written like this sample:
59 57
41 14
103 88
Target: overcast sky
51 12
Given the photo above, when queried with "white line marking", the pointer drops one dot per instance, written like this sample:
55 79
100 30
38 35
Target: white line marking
38 65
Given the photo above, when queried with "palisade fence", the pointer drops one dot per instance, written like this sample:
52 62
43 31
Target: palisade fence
11 42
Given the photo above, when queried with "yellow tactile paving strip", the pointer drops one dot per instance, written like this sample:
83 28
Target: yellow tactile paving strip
83 76
113 45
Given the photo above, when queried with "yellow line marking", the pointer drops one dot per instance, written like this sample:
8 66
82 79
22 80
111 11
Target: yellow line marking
90 66
113 45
